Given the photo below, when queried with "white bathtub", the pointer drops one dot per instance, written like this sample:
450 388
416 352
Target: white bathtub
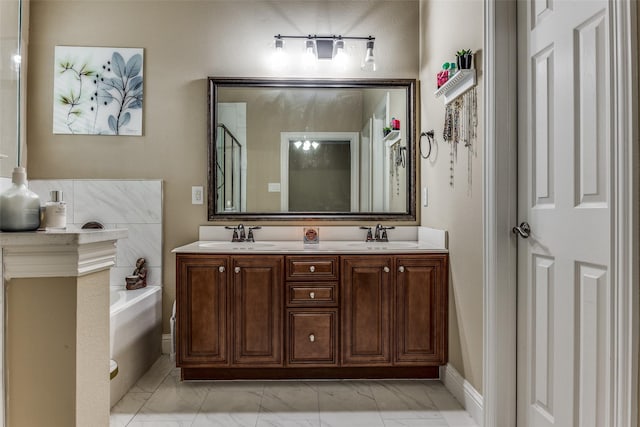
136 334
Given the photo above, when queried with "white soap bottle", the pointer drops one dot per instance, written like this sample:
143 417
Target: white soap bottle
56 212
19 206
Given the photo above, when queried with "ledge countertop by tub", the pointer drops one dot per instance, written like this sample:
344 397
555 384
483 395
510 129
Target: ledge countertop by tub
71 236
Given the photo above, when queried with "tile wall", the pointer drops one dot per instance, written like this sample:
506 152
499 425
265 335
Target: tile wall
132 204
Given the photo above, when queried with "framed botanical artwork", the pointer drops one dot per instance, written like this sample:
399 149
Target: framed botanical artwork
98 90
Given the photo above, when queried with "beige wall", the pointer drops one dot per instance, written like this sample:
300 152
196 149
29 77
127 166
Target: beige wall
457 209
184 42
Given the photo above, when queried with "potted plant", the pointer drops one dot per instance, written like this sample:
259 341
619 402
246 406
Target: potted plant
464 59
386 130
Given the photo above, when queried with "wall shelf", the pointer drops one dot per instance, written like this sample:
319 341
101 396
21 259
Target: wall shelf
461 82
391 136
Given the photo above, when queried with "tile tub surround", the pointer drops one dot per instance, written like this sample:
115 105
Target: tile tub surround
160 398
132 204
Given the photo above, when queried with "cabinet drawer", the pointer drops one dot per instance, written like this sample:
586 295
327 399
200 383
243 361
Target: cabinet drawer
312 337
315 268
312 294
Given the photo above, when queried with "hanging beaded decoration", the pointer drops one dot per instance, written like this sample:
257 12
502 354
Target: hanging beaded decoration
460 125
447 135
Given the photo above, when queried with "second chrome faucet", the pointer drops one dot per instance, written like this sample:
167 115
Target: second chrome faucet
379 235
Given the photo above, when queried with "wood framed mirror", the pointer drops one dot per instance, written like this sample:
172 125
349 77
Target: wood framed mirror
311 149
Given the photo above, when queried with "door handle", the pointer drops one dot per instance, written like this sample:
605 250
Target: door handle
524 229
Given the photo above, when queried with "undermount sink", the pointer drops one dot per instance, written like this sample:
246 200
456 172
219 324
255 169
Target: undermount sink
236 245
384 245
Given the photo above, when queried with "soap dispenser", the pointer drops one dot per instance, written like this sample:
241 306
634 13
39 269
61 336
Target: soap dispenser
19 206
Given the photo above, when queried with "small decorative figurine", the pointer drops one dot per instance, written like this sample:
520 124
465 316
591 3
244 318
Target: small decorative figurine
139 277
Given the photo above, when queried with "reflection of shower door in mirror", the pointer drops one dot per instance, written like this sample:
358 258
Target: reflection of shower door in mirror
379 177
231 167
365 166
319 172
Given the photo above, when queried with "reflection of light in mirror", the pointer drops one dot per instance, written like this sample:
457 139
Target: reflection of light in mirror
297 144
16 60
314 145
306 146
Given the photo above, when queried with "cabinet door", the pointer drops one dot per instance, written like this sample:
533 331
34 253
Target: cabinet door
257 310
421 310
201 302
366 311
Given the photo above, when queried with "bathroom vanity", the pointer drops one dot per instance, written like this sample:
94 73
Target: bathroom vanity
339 310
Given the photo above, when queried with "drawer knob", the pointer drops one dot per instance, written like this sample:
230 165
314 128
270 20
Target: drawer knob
237 269
401 269
386 269
312 295
312 268
221 269
312 338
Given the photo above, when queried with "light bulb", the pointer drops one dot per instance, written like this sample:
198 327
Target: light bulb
314 145
369 62
306 146
340 56
309 56
279 57
297 144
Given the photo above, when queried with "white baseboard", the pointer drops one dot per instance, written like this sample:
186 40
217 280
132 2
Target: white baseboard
166 343
464 392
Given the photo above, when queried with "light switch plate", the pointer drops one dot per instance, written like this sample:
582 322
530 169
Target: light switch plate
425 198
197 195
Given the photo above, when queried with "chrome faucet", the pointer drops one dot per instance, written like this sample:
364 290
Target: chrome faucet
239 233
250 235
369 237
381 233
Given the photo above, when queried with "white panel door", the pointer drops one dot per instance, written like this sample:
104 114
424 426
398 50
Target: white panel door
564 285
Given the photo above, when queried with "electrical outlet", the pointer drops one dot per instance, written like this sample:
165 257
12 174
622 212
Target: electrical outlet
197 195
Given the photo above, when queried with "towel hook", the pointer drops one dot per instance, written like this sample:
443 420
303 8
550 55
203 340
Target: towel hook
429 134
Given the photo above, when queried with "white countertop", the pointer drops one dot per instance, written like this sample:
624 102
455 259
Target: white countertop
297 247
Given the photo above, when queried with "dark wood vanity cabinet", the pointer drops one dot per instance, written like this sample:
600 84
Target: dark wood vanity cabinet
229 311
394 310
202 310
420 312
366 310
257 310
307 316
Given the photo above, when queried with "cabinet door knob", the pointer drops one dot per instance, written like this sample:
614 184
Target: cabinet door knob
401 269
237 269
312 337
312 295
386 269
312 268
221 269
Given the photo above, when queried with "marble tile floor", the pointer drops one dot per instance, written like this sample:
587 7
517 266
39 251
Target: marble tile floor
160 399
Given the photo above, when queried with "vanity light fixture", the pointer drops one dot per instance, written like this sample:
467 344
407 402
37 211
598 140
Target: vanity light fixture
329 47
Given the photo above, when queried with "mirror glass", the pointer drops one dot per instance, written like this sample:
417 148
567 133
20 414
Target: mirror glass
10 88
311 149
